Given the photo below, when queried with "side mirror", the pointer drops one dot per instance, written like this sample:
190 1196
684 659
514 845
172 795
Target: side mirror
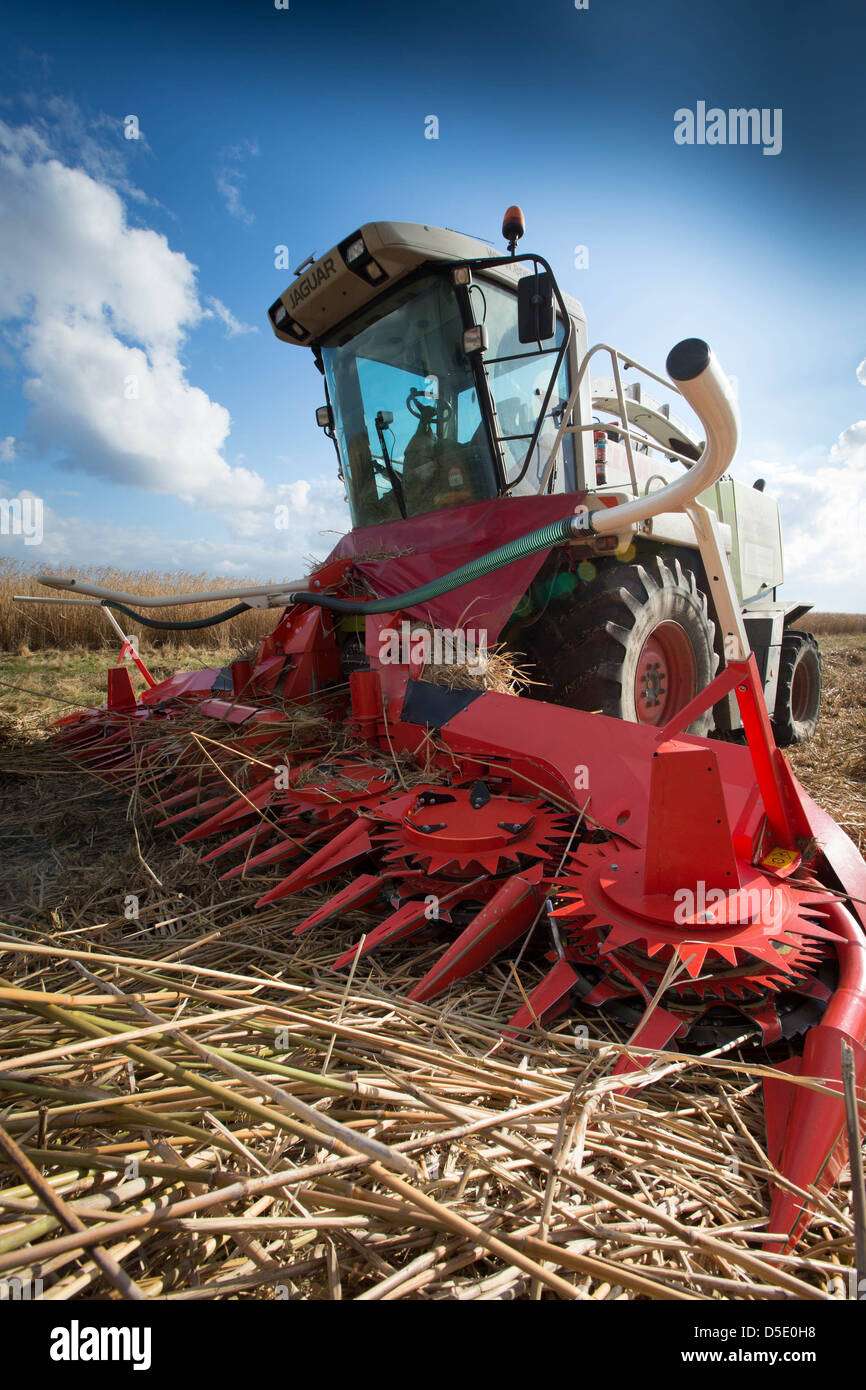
536 311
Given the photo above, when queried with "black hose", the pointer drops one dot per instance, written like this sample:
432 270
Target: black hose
543 539
165 626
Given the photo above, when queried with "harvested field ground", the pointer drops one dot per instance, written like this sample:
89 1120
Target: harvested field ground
230 1119
832 765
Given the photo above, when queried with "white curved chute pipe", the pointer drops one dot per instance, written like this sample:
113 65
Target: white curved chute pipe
703 384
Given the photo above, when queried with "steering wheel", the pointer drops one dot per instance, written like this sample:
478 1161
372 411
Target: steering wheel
439 411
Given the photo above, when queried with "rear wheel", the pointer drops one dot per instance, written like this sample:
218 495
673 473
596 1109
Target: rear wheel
636 643
798 694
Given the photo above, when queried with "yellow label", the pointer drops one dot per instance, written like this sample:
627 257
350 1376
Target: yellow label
780 859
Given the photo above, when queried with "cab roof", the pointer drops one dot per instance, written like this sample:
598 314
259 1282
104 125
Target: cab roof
355 271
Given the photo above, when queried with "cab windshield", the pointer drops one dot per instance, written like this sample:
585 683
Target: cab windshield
408 424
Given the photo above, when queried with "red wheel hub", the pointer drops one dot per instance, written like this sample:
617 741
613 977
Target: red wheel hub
666 677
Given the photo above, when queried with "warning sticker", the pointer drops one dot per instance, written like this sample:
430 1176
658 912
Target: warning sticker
781 861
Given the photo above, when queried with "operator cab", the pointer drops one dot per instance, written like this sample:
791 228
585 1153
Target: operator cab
404 397
449 385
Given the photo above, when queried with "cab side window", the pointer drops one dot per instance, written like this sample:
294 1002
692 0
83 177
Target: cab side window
518 383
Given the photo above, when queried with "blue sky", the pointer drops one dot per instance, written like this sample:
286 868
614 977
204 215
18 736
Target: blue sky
263 127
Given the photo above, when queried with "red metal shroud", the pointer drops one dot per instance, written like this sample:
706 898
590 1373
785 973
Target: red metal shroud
442 541
763 812
805 1128
537 812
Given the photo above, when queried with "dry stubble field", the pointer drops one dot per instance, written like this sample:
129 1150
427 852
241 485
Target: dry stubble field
272 1132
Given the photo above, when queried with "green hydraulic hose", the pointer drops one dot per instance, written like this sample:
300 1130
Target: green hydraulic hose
530 544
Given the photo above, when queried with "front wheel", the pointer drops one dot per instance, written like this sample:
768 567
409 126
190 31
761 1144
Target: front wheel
637 644
798 694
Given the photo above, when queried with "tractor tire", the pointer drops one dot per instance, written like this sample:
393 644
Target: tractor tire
798 694
636 644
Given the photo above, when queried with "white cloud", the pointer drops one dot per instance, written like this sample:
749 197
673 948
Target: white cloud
823 512
101 311
7 449
850 449
253 548
234 328
230 178
91 140
823 507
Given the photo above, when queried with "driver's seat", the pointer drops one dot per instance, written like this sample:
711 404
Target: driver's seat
421 468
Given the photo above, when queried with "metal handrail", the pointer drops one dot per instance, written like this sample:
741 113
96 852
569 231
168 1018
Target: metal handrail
616 357
704 386
707 390
638 438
